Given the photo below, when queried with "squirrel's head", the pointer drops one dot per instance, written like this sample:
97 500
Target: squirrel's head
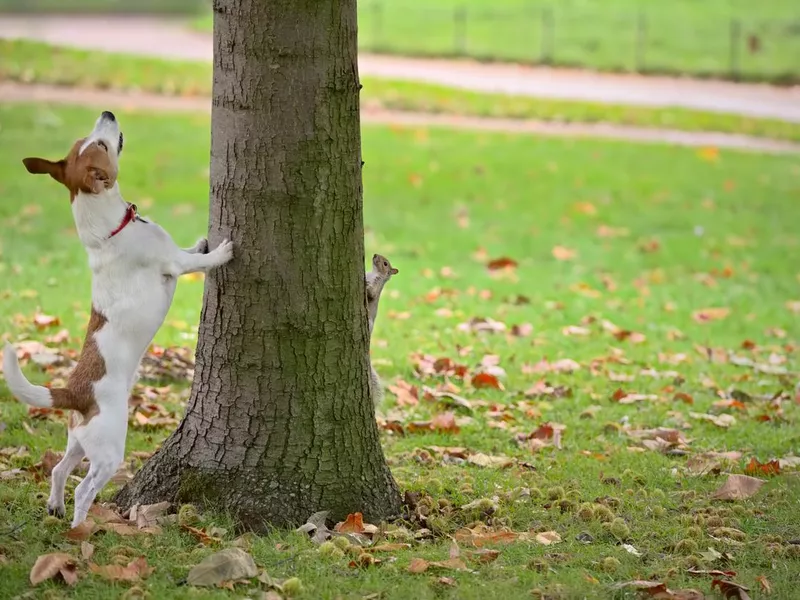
383 266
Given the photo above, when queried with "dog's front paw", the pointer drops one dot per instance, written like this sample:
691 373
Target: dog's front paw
56 511
201 247
224 251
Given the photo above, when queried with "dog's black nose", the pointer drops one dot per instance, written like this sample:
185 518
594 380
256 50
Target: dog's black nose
108 116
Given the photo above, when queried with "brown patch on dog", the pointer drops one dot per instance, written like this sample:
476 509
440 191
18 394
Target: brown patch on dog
90 172
91 367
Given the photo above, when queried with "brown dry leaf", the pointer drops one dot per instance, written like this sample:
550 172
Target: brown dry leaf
709 153
705 315
738 487
135 570
731 590
486 380
230 564
547 538
407 394
445 422
418 565
575 330
43 321
448 581
148 515
487 460
766 586
82 532
714 572
484 555
482 535
501 263
87 550
101 514
388 547
563 253
57 566
660 591
723 420
754 467
125 529
354 523
793 306
202 536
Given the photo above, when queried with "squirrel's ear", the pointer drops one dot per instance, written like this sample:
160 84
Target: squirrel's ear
394 271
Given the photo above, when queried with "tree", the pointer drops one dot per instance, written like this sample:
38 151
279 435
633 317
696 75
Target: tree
279 423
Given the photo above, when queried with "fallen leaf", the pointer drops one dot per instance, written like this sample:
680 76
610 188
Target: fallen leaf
731 590
486 380
54 566
445 422
354 523
486 460
658 590
101 514
484 536
738 487
710 314
135 570
43 321
713 573
418 565
563 253
501 263
87 550
754 467
202 535
82 532
148 515
548 538
766 586
484 555
723 420
226 565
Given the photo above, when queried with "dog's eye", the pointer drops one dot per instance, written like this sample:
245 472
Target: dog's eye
103 145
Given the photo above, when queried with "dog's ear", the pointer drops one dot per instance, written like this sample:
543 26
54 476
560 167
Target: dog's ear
42 166
95 180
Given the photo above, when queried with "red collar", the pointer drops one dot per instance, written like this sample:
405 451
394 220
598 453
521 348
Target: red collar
130 215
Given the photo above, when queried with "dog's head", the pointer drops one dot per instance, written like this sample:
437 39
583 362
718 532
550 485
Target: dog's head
91 166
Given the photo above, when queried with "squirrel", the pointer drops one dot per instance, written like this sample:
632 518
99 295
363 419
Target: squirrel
382 272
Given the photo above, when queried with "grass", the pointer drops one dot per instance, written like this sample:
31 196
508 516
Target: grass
31 62
654 233
682 36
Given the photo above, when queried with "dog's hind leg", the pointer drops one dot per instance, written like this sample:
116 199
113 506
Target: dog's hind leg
72 457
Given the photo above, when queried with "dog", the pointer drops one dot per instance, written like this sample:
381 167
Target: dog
135 267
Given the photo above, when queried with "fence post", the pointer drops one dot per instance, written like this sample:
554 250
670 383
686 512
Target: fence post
377 15
547 36
641 42
460 30
735 45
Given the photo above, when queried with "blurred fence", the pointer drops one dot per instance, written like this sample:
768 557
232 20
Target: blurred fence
649 41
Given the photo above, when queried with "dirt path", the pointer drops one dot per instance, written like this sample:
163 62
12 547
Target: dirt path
165 38
108 100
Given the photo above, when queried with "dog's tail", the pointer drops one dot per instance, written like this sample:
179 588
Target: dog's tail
24 390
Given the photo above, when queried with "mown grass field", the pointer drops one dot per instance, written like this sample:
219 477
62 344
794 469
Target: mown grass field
682 36
617 247
33 62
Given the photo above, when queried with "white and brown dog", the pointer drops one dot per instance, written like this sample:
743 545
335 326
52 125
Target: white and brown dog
135 267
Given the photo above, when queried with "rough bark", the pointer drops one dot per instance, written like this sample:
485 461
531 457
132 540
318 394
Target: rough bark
280 423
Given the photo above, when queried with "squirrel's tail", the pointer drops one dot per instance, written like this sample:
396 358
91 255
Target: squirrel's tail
21 388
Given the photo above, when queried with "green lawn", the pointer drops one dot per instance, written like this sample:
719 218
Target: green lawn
650 235
33 62
680 36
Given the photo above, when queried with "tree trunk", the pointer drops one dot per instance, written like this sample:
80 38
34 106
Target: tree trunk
280 424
